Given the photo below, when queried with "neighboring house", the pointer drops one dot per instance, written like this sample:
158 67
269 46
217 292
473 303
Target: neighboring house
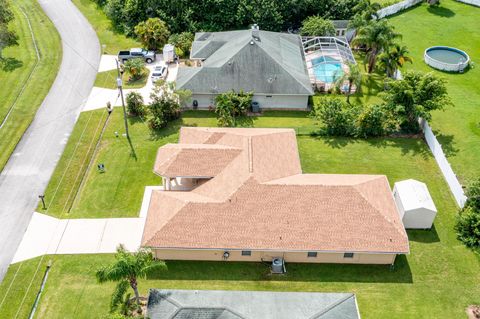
221 304
239 194
270 64
342 30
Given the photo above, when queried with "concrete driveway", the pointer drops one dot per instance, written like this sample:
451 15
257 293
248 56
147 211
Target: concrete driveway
29 169
48 235
99 97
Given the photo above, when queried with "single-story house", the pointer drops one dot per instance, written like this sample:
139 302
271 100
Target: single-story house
238 194
269 64
218 304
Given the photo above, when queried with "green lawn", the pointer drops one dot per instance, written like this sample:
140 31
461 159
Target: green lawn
437 280
20 70
452 24
108 80
111 41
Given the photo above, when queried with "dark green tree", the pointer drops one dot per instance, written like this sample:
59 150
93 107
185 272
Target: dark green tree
415 96
153 33
317 26
7 37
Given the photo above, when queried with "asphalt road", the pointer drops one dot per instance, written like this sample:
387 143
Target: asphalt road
30 167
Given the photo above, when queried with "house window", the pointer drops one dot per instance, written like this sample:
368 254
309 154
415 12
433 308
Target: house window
348 255
312 254
246 252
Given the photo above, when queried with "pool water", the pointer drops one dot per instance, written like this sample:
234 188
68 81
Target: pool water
327 69
446 55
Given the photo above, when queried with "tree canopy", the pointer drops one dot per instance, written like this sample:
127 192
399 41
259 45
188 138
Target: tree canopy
214 15
317 26
7 37
153 33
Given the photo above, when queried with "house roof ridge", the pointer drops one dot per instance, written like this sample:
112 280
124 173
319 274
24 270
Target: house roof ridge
332 306
308 88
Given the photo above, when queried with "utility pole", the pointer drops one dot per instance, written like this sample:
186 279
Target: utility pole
119 85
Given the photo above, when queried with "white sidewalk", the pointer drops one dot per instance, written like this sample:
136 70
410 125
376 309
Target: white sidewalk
48 235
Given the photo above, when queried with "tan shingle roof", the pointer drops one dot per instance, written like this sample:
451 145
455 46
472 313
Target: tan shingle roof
260 200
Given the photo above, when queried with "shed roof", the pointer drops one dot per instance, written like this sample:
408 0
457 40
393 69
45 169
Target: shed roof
218 304
414 195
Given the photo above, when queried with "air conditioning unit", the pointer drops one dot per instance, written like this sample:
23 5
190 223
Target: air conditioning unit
278 266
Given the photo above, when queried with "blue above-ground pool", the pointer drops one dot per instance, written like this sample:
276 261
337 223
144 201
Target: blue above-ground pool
326 69
446 58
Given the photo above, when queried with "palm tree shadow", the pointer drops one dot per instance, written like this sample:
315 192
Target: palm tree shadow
10 64
441 11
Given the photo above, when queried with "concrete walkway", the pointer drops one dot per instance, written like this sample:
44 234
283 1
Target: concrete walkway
47 235
28 170
99 97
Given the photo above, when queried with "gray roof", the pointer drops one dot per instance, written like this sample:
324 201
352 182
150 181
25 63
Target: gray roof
340 24
273 63
219 304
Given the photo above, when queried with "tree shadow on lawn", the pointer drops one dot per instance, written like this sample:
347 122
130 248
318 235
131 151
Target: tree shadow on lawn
10 64
441 11
423 235
408 146
447 142
303 272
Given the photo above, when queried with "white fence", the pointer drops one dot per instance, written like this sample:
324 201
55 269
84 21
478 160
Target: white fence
472 2
397 7
444 165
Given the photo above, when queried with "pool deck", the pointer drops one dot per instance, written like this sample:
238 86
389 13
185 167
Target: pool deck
309 56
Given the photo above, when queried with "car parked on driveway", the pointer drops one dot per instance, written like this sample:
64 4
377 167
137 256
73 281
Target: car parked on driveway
148 56
160 72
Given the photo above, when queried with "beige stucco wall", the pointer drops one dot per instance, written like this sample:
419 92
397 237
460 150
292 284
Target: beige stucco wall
267 102
297 257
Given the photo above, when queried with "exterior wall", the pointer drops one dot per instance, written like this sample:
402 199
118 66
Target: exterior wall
398 201
295 102
258 256
418 219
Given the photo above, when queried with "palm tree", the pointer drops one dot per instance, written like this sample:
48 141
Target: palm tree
365 11
127 268
375 36
393 59
353 77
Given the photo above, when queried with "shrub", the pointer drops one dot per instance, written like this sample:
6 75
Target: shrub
165 105
375 120
182 42
230 105
473 195
468 227
135 104
336 116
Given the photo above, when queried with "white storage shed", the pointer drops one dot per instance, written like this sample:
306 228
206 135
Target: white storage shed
168 53
415 205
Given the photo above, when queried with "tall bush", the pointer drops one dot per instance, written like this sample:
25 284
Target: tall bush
135 104
414 96
375 120
468 218
153 33
337 117
165 105
230 105
317 26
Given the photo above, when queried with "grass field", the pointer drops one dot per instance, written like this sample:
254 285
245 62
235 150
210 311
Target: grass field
437 280
108 80
26 78
451 24
111 41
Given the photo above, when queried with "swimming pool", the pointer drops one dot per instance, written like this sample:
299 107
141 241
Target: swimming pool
446 58
327 69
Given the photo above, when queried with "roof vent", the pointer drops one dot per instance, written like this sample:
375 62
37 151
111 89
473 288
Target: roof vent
255 32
